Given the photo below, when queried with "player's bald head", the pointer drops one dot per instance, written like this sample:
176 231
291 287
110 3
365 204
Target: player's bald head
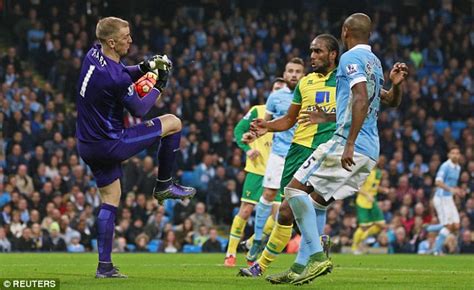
359 26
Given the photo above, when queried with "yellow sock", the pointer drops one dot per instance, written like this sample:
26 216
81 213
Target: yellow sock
267 230
236 230
279 238
357 238
269 224
373 230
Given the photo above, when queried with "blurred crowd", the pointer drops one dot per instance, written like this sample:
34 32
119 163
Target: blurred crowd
224 62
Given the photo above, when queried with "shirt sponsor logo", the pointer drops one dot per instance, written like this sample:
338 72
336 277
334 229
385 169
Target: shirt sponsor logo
322 97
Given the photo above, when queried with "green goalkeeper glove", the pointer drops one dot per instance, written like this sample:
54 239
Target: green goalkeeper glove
155 64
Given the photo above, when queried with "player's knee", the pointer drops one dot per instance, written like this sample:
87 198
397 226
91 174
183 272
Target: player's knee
269 194
285 215
320 200
170 124
245 210
111 193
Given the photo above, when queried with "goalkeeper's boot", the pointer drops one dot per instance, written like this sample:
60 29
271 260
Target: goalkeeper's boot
252 271
326 243
282 278
109 272
313 270
173 191
254 252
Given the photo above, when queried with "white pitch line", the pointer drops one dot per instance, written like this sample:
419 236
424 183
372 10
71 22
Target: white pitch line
278 267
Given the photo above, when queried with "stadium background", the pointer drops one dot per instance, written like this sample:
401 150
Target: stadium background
225 54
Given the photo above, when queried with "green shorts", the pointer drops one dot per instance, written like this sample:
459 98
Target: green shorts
253 189
297 155
367 216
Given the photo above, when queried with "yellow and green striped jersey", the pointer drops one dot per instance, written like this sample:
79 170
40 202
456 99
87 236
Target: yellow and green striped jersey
315 89
263 144
370 186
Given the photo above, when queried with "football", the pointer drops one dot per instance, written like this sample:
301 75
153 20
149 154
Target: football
144 85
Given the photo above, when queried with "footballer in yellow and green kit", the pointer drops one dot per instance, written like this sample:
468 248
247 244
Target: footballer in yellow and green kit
252 188
313 90
368 211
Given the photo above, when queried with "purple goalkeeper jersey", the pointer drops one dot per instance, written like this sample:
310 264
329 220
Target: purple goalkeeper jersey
104 89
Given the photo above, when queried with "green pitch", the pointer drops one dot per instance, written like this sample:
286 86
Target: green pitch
205 271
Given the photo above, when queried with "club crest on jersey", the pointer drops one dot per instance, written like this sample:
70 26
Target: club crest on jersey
131 89
351 68
247 116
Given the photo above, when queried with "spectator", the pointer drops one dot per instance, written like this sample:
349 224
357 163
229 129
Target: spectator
75 246
466 244
55 242
185 232
155 227
5 245
212 245
142 243
427 246
169 244
17 226
67 233
25 243
201 236
23 181
200 217
401 244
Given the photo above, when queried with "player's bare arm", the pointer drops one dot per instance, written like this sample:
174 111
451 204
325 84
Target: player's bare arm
260 126
454 190
398 74
360 106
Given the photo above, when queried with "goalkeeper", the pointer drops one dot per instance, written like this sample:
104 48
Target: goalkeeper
105 88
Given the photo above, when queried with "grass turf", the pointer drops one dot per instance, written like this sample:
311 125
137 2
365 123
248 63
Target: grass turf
205 271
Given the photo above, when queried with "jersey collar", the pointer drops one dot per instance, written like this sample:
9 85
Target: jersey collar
362 46
286 89
326 76
450 163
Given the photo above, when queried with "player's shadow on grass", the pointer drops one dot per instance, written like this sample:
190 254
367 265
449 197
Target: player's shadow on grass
55 274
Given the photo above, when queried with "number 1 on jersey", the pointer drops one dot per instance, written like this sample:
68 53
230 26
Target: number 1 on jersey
86 80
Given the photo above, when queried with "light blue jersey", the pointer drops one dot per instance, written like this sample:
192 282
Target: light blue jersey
357 65
448 173
277 105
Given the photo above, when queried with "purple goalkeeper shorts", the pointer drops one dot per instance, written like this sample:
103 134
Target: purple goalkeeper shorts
105 157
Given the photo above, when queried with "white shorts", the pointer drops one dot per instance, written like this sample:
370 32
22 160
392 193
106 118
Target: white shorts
324 172
446 210
274 171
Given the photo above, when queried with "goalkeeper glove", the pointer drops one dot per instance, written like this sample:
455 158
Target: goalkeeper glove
162 79
156 62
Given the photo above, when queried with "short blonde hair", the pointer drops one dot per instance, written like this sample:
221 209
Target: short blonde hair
107 27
